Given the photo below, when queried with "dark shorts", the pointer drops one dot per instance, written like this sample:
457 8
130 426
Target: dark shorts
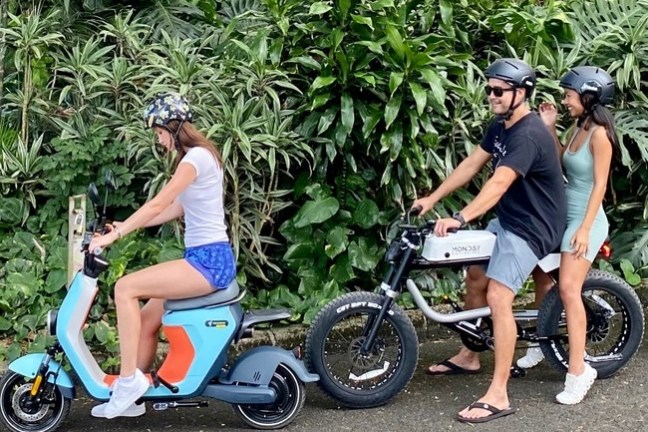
215 261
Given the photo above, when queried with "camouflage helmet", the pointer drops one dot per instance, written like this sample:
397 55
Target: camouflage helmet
165 108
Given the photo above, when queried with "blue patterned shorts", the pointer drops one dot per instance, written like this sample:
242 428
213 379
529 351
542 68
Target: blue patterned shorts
215 261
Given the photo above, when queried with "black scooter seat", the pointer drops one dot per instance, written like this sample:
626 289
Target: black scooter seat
217 297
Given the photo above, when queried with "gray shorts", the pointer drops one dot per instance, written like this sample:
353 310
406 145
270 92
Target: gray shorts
512 260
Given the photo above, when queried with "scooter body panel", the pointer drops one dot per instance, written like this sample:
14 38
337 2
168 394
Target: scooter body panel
198 343
69 330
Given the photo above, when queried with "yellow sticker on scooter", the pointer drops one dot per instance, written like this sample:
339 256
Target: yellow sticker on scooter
216 324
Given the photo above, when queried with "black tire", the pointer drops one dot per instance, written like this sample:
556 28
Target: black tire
615 324
386 379
291 394
18 417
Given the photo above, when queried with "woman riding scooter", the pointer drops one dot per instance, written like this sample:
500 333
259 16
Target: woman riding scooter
196 192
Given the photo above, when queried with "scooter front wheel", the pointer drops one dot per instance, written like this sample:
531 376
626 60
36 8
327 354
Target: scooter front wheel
291 394
20 413
334 344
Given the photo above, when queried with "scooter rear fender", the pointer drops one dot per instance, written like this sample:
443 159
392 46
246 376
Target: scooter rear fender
258 365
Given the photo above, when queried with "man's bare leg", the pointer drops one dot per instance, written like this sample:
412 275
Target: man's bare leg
476 285
500 300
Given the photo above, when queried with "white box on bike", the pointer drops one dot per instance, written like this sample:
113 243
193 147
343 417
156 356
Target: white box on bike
463 245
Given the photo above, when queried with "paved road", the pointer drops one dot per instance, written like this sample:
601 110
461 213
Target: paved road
428 404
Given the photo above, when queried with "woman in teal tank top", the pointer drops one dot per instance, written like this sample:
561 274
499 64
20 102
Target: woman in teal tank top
586 159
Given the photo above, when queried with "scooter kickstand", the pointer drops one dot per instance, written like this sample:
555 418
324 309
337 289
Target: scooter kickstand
157 380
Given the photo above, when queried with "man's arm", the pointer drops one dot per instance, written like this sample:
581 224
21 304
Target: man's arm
464 172
491 193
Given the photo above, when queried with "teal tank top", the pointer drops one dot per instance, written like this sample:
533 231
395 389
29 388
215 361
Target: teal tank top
579 169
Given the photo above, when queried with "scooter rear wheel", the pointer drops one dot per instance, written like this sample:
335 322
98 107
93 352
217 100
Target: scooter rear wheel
615 324
291 394
19 414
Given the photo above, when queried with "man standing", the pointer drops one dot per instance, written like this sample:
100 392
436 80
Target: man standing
528 193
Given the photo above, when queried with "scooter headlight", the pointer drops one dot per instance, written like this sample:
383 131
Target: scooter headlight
51 321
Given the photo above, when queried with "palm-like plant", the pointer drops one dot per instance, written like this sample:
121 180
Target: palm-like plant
29 36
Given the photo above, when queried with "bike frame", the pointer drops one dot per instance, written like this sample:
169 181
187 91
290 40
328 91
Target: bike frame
460 320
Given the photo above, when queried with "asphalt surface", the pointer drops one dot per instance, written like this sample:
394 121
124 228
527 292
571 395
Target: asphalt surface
428 404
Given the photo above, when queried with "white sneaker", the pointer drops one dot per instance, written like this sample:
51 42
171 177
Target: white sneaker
125 394
134 410
577 386
532 358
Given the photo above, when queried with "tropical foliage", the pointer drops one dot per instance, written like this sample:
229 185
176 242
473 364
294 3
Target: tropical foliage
331 116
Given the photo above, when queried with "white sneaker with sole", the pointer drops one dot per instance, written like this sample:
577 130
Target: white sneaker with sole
126 394
532 358
134 410
577 386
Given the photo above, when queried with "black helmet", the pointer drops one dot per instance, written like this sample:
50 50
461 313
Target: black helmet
513 71
583 79
165 108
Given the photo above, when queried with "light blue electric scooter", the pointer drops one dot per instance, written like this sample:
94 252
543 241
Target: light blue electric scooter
265 384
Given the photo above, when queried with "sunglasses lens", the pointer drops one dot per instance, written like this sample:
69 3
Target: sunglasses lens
497 91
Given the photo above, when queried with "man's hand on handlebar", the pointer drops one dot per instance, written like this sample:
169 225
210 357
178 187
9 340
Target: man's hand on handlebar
425 204
446 225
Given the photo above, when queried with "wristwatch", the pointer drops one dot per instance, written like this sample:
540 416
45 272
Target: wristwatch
458 217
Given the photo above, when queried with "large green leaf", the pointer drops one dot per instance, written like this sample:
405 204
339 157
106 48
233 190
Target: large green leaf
314 212
420 96
392 109
322 81
337 241
363 256
342 271
366 213
319 8
12 211
395 80
347 113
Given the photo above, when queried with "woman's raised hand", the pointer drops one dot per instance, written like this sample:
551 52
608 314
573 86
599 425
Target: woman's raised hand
548 114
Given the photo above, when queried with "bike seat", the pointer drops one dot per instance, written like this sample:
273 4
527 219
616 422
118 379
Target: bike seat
217 297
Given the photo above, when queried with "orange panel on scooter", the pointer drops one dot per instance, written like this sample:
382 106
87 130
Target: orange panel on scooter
180 356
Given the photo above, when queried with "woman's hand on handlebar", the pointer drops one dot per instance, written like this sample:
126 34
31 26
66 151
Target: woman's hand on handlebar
446 225
110 227
425 204
102 241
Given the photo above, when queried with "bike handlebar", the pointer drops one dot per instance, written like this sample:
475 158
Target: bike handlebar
415 211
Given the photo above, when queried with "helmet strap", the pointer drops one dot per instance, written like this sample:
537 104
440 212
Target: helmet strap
512 107
176 142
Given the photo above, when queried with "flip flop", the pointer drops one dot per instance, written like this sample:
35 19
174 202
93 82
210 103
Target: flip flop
496 413
453 369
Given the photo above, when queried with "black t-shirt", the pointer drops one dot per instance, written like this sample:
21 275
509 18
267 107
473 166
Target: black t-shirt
534 206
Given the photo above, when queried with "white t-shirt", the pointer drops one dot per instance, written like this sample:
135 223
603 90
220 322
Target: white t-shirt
202 201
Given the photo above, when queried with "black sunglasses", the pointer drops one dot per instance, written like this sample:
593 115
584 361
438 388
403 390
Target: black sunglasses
497 91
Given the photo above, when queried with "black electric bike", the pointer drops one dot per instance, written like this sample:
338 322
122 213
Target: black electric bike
365 348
